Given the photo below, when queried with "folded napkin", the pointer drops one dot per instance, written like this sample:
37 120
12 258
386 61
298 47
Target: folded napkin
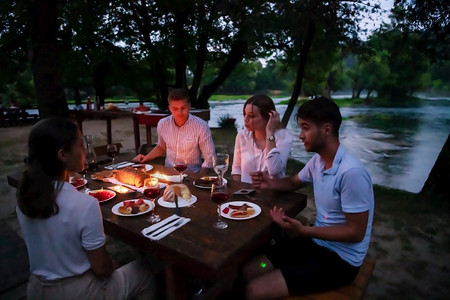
169 178
159 230
120 165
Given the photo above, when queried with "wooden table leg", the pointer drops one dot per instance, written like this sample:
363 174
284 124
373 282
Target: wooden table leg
149 134
108 131
175 283
137 137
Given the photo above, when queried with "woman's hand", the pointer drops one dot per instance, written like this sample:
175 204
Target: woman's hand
274 122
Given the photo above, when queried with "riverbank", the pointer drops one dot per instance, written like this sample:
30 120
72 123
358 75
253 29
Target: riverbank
411 235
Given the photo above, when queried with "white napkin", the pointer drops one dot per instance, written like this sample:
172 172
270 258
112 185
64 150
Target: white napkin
170 178
120 165
158 230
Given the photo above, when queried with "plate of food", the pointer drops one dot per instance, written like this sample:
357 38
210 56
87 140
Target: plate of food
206 182
132 208
143 167
240 210
183 194
102 175
102 195
77 182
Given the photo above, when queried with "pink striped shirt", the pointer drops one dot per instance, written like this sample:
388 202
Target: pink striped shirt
192 141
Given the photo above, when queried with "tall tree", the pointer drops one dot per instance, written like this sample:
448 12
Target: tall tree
50 94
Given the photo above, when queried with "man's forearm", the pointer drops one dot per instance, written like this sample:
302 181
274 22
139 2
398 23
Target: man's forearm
156 152
286 184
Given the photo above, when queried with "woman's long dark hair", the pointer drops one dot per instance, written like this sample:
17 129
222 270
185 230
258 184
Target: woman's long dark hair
37 191
263 102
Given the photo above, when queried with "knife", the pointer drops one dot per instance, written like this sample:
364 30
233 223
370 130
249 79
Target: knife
177 208
164 225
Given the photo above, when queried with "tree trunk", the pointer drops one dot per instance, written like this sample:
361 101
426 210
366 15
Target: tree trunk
358 93
436 186
180 60
236 55
77 96
100 70
47 75
300 71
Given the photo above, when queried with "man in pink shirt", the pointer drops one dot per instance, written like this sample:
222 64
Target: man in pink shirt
182 136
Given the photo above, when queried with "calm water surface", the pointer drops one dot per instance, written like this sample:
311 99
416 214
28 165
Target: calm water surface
397 145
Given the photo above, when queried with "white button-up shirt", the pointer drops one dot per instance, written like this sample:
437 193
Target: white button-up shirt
249 158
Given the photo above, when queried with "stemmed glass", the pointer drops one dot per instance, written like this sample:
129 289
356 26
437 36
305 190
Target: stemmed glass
181 166
219 194
152 190
220 163
112 151
84 172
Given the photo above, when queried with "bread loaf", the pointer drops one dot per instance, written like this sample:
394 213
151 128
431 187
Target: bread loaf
176 190
132 176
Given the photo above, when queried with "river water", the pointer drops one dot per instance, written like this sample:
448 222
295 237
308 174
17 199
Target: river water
397 145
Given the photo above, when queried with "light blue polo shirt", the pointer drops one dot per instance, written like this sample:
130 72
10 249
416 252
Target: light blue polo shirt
344 188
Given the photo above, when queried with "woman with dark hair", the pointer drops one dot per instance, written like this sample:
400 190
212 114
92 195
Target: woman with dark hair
263 145
63 228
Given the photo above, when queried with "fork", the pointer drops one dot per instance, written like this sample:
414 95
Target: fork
162 230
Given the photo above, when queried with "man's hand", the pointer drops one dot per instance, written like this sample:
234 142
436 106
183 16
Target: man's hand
139 158
260 180
291 226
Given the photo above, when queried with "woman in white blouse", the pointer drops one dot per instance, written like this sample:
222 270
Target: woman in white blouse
263 145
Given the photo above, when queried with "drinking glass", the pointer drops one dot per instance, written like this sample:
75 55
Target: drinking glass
219 194
84 172
151 190
220 163
112 151
181 166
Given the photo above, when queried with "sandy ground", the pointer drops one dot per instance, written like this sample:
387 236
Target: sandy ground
411 249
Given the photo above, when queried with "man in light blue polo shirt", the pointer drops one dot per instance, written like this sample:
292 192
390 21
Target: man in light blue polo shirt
330 253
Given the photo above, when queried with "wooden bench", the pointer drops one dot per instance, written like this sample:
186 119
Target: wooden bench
353 291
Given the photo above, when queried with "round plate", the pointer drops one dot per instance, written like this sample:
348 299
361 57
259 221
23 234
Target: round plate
146 167
207 187
238 203
181 202
115 208
111 194
78 185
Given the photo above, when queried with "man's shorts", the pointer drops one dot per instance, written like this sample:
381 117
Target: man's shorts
308 267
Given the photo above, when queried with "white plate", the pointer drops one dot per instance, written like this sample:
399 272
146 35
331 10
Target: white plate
115 208
181 202
238 203
147 167
77 186
207 187
113 194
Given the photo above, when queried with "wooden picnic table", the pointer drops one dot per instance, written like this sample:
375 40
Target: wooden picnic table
148 119
197 249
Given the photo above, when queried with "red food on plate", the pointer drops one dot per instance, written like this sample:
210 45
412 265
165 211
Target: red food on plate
128 203
140 201
225 210
77 182
102 195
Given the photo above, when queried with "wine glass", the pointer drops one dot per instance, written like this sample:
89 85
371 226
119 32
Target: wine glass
84 172
112 151
219 194
152 190
220 163
181 166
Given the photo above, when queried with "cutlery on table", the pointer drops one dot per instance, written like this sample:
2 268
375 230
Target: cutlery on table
165 228
163 225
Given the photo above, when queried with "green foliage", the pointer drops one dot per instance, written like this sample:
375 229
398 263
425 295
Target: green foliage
227 122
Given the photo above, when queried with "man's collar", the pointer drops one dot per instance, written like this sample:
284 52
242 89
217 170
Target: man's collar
336 161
